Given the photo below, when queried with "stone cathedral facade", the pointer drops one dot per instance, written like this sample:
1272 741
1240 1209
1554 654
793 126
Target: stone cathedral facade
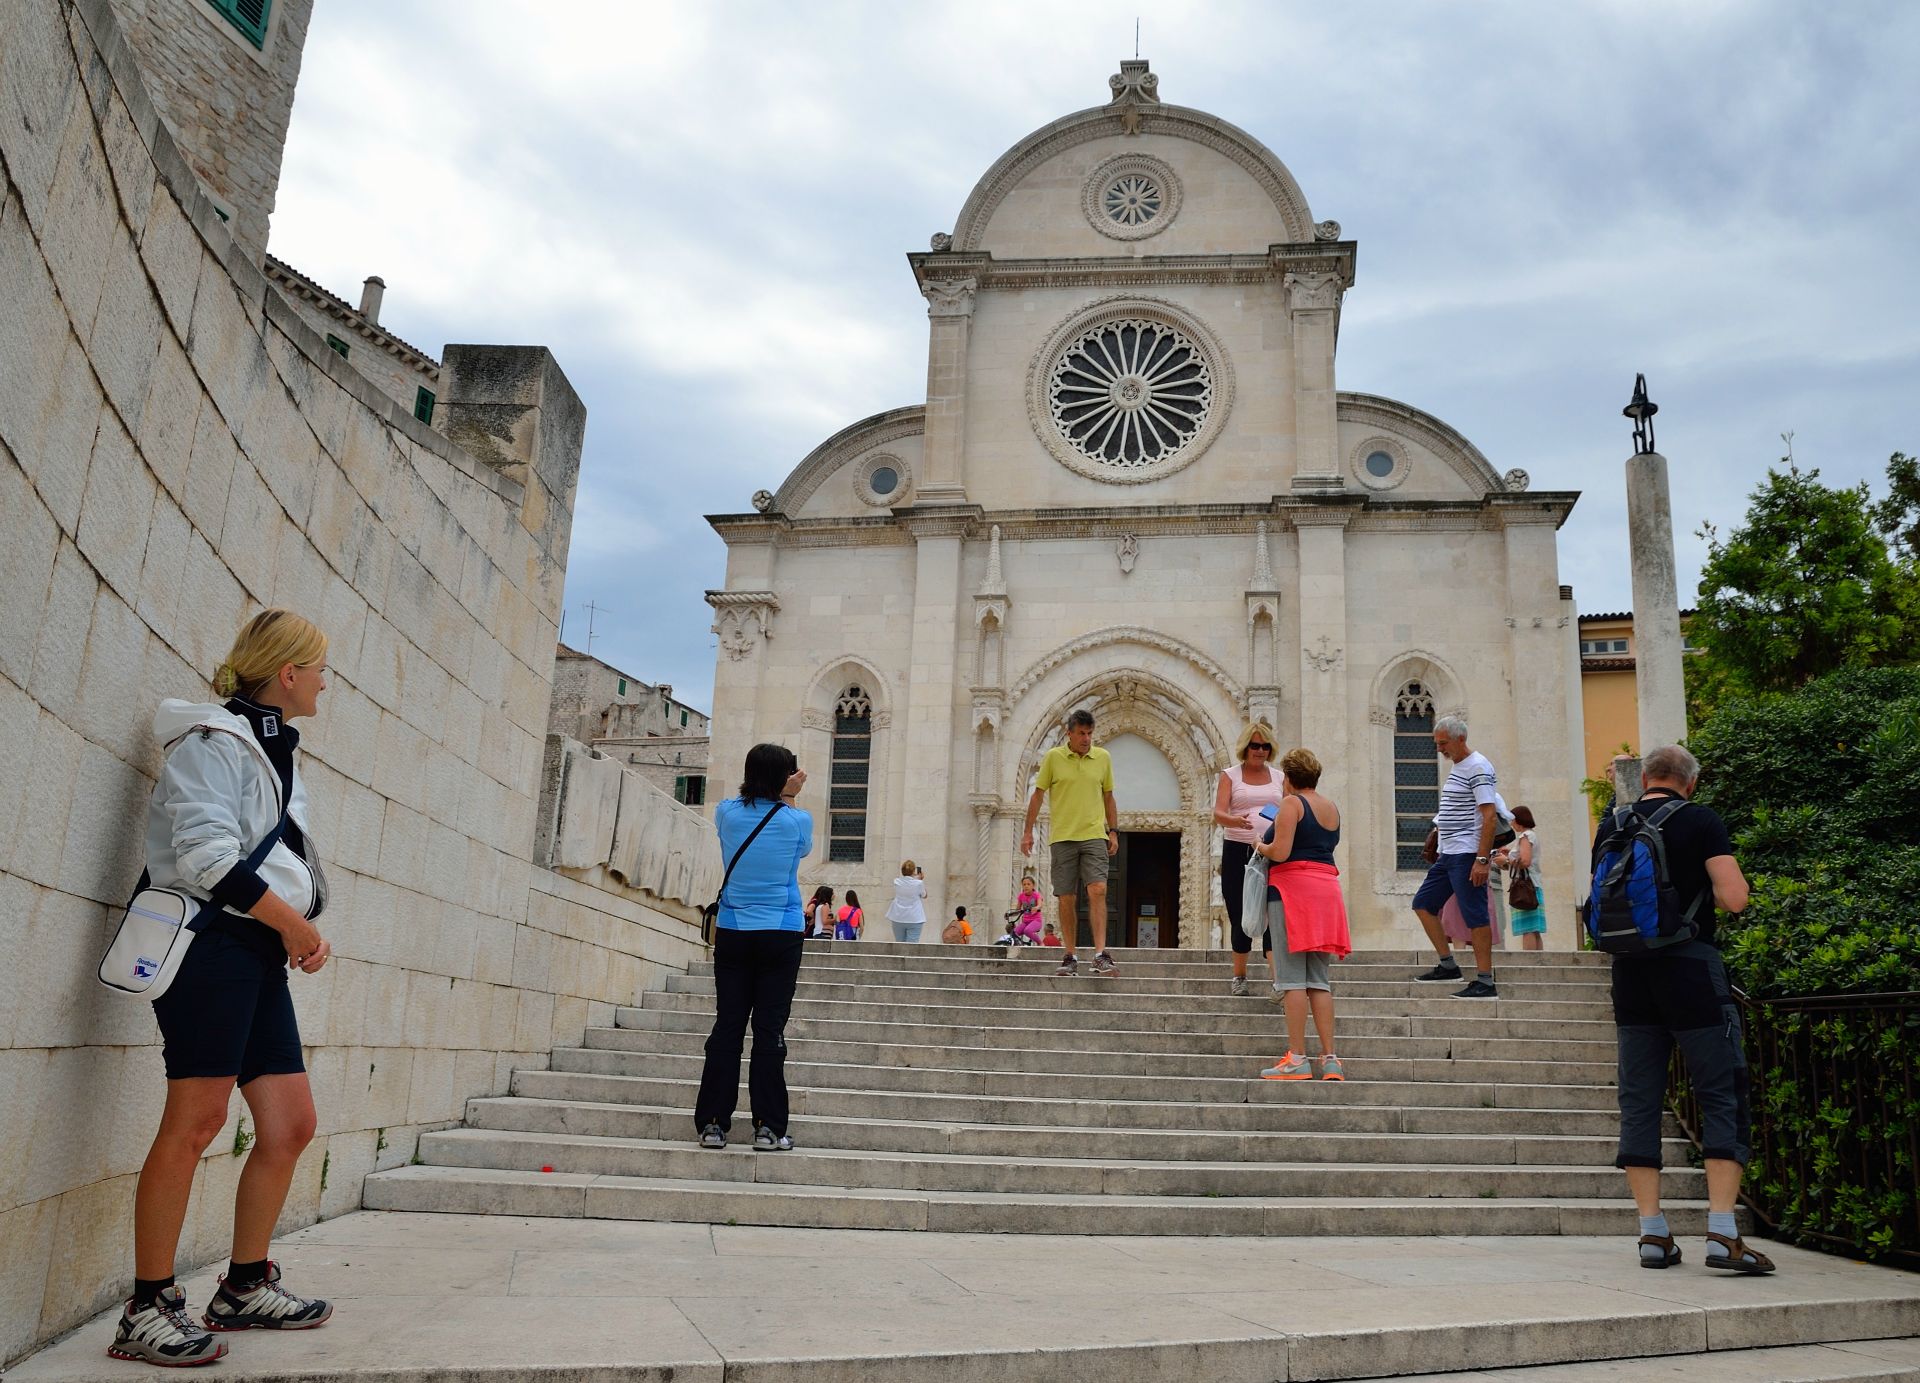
1136 486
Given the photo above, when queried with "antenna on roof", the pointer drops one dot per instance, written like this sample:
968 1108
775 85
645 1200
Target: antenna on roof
1136 35
592 610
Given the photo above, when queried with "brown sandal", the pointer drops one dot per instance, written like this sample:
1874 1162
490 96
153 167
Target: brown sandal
1737 1257
1670 1251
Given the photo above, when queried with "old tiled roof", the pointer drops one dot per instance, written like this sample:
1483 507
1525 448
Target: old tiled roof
338 306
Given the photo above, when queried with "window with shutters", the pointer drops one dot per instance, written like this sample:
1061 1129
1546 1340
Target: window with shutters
423 405
1416 774
696 790
248 16
338 345
852 762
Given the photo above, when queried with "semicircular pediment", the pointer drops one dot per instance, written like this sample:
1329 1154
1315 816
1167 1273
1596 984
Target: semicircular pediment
846 445
1404 420
1107 122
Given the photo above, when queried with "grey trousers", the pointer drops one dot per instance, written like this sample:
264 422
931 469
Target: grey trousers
1680 999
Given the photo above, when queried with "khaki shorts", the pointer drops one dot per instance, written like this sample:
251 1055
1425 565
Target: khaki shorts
1077 863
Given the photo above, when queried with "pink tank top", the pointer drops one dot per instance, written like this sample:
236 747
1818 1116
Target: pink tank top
1246 799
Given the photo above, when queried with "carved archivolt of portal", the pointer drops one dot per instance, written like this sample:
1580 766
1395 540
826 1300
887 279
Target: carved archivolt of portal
1123 634
1130 700
1166 407
1131 197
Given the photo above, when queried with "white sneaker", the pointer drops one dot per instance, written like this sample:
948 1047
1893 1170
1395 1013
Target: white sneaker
164 1334
266 1305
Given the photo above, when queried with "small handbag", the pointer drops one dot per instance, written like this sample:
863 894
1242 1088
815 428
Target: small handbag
157 926
710 914
1253 895
1522 895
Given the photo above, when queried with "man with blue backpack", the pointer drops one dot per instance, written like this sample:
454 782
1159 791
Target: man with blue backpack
1661 866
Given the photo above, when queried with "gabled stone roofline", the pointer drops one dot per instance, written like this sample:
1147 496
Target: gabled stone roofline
289 279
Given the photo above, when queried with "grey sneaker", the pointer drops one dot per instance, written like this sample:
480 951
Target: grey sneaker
1103 964
713 1136
1239 987
1069 966
1479 989
265 1305
1446 972
164 1334
1276 995
766 1140
1331 1069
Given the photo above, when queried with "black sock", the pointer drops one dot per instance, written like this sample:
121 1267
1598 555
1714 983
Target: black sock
146 1289
244 1275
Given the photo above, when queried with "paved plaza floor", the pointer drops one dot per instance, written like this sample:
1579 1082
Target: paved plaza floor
442 1297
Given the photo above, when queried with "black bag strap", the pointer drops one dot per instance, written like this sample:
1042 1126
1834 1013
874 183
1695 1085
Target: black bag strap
254 860
741 851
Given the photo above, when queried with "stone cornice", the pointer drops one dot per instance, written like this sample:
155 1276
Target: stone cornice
992 275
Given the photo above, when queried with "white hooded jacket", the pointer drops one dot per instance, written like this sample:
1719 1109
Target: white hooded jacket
217 798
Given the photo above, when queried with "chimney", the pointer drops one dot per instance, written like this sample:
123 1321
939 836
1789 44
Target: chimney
371 293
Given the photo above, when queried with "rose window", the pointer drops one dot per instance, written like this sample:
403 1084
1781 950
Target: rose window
1130 393
1133 200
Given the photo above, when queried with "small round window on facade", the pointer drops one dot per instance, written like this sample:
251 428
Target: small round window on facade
884 480
1379 464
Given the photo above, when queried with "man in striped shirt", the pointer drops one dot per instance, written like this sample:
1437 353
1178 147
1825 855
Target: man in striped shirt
1466 823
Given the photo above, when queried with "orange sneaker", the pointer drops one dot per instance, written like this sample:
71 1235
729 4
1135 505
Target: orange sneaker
1291 1067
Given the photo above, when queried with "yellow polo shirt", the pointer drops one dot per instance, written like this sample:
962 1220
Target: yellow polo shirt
1076 786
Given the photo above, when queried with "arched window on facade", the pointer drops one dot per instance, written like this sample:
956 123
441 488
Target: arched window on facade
847 791
1416 774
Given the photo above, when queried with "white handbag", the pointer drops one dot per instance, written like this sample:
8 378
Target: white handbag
1253 895
157 926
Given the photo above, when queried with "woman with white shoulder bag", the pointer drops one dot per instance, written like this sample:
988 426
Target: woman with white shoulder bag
227 840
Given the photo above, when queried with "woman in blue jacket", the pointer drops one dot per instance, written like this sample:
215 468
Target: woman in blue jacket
756 948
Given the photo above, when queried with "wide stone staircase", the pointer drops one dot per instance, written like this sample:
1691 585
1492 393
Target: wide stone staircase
969 1089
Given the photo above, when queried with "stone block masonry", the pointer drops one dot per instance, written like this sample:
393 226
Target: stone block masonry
178 449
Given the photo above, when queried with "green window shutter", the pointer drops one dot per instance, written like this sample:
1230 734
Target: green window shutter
680 787
623 686
338 345
423 405
248 16
683 719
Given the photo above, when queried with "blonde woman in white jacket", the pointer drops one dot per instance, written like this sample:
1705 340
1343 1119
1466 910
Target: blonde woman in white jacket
227 1019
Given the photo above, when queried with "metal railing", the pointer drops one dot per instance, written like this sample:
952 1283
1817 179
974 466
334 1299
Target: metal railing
1836 1120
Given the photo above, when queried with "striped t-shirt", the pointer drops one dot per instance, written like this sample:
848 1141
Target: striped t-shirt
1468 787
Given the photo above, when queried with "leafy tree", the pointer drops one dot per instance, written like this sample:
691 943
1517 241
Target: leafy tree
1898 515
1806 585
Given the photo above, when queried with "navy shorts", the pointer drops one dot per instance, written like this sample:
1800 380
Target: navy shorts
1450 876
229 1011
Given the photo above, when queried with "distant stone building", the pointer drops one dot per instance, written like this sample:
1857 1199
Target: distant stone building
1608 691
404 373
1134 486
639 723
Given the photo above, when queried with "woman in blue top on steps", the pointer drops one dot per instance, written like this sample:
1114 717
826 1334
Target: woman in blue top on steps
756 949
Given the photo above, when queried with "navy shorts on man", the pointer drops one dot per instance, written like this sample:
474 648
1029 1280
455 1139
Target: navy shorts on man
1450 876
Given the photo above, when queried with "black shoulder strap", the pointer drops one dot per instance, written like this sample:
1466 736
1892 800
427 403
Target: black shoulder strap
743 850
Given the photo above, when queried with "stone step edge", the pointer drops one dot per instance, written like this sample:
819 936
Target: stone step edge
1828 1361
469 1134
950 1126
983 1069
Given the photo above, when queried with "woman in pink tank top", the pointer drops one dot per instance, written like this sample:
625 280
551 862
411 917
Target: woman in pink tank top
1252 783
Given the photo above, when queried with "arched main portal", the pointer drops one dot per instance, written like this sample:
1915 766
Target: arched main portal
1169 827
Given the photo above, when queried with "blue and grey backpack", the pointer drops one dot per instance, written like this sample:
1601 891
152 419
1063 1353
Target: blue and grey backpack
1632 909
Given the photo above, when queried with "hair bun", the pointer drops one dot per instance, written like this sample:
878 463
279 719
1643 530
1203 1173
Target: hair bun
226 681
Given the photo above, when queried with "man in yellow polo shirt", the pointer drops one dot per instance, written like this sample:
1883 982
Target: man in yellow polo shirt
1077 781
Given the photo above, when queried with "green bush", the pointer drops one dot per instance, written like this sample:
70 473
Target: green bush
1820 788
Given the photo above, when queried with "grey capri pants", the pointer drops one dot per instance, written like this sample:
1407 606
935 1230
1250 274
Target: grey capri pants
1294 969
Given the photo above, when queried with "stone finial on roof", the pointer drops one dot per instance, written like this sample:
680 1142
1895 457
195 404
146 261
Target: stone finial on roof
1133 86
996 581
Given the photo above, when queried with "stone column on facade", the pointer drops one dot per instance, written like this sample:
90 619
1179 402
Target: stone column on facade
1311 302
1322 540
1659 681
744 622
928 747
950 296
1263 635
984 805
1537 649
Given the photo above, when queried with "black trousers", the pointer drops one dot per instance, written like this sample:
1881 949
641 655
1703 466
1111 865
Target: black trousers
753 978
1234 855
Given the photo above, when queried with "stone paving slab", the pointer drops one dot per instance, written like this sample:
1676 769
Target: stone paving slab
442 1298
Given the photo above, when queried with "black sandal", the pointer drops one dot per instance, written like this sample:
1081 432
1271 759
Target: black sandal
1669 1251
1738 1257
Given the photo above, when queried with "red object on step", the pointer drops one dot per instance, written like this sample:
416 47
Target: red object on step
547 1168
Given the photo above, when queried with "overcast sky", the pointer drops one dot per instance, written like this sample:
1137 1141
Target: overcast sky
703 210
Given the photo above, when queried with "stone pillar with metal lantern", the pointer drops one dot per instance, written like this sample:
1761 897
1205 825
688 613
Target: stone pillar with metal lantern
1658 650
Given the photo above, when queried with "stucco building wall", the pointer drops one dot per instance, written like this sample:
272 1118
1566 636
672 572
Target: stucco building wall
178 449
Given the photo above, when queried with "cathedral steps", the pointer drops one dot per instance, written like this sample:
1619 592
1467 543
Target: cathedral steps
938 1087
